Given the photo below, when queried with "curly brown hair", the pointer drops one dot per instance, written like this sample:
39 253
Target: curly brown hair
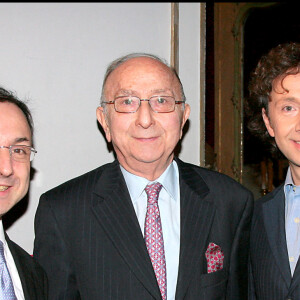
280 62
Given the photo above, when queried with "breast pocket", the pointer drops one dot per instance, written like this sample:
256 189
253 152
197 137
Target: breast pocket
213 285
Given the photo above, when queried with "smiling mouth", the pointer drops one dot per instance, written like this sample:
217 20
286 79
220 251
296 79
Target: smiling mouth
3 188
146 138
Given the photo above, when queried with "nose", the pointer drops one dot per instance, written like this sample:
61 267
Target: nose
144 115
6 168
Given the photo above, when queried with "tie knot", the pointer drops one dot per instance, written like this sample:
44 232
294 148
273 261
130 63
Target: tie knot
152 191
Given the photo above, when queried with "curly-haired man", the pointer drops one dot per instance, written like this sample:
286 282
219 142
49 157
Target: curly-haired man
275 236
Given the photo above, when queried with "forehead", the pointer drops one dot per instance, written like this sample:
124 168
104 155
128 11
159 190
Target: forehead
142 74
286 84
13 123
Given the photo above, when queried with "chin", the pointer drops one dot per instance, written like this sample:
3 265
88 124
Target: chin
147 160
295 163
146 157
153 159
4 210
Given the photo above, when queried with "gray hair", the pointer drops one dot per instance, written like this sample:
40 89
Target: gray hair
116 63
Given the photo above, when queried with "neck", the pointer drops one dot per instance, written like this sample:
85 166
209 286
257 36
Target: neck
295 171
149 170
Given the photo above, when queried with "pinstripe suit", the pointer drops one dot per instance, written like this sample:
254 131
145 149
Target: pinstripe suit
270 275
89 241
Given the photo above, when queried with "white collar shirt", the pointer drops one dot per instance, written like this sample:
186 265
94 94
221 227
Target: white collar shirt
169 207
292 220
11 266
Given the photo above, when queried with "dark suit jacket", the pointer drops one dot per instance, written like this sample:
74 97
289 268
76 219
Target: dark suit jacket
90 243
33 277
270 275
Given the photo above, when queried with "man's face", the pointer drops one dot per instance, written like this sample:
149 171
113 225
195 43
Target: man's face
143 139
14 176
283 120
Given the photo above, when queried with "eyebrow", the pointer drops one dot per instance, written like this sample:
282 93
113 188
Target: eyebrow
22 139
290 99
132 92
126 92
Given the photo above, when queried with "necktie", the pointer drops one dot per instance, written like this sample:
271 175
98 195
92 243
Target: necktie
6 285
154 237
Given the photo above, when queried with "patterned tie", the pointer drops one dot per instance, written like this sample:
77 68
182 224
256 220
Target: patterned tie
6 285
154 237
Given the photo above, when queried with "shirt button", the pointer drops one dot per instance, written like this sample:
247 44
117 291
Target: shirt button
292 259
297 220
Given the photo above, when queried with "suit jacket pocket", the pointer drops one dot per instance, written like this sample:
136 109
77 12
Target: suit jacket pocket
214 279
213 286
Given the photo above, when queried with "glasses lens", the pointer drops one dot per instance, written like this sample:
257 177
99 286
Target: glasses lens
22 153
127 104
162 104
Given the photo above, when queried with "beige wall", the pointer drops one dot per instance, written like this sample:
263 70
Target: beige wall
55 54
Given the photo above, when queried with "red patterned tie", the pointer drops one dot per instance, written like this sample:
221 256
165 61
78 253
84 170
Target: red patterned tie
154 237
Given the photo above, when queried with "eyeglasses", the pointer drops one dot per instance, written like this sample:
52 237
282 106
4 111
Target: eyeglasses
20 153
131 104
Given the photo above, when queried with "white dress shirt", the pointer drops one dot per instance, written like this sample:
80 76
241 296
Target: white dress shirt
292 220
11 266
169 207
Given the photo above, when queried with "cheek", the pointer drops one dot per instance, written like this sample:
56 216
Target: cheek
173 129
119 129
175 124
22 172
283 126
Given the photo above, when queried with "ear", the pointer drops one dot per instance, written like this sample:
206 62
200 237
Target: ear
102 119
185 116
267 123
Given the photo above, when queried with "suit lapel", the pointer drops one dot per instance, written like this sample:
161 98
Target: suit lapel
196 219
24 274
296 278
273 214
113 208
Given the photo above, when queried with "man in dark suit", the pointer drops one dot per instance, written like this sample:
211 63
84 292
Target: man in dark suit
20 276
275 239
147 226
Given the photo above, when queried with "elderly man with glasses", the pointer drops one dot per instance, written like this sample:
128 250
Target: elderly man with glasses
20 276
146 226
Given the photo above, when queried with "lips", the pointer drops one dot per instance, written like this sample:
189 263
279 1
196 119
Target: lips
146 138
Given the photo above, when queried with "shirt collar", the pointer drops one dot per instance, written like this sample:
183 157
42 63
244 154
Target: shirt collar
289 184
169 180
2 237
289 178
